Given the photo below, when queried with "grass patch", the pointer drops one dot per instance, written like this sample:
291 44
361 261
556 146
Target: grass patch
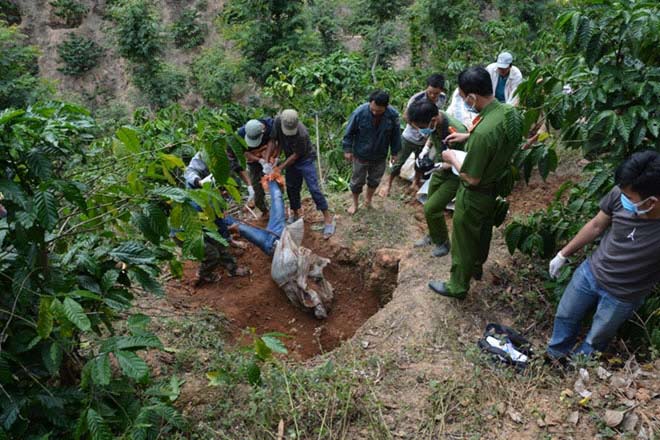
329 399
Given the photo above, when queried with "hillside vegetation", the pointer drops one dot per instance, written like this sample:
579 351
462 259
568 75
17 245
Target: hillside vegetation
103 103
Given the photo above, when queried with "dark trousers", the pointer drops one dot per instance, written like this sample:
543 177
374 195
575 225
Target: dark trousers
215 254
295 173
256 173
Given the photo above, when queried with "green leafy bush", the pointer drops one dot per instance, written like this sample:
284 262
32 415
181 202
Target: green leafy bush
375 20
160 83
268 33
88 221
214 75
71 11
9 12
79 54
188 32
585 96
601 95
138 31
19 81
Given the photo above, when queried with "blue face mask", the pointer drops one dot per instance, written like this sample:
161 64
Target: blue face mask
630 206
426 131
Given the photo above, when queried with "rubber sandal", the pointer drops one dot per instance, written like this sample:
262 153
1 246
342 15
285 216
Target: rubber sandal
329 230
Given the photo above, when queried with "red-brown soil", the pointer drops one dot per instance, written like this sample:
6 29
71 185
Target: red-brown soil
537 194
256 301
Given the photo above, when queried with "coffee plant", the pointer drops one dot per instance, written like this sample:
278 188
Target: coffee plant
88 226
71 11
188 32
601 95
607 73
19 81
139 33
214 75
9 12
267 33
160 83
79 55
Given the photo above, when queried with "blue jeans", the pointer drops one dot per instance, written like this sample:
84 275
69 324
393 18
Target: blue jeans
581 295
304 168
265 239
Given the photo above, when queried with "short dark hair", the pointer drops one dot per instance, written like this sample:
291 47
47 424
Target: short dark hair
640 172
436 80
475 80
422 112
381 98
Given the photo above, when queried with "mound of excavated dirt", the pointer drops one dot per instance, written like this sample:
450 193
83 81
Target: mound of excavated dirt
256 301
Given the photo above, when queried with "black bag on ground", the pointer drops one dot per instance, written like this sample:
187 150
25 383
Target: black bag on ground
506 345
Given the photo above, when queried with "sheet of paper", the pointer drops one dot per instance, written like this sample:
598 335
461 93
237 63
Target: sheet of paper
460 155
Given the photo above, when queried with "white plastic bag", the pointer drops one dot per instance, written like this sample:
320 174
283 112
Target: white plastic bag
423 193
299 272
408 168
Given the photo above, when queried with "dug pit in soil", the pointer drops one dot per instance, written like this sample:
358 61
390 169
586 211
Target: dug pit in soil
361 286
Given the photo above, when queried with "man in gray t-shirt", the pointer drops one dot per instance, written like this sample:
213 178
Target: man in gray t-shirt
625 267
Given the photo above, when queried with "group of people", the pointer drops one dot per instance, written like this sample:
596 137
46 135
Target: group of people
266 139
475 122
465 152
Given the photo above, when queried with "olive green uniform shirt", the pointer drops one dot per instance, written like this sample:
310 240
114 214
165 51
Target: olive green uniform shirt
489 150
492 143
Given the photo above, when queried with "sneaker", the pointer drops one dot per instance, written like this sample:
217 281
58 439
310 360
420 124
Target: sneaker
424 241
441 250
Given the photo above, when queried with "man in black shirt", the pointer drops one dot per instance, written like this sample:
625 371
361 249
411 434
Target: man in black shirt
291 136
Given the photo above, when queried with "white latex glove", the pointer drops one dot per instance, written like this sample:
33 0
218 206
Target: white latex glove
250 189
556 264
263 161
425 151
208 178
268 168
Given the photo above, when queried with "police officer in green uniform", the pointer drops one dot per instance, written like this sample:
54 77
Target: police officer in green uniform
490 146
443 185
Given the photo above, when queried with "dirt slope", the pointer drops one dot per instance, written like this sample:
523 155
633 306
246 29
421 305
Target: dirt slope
429 344
419 354
109 82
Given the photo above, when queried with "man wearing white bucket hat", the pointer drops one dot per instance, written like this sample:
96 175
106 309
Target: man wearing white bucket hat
505 78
